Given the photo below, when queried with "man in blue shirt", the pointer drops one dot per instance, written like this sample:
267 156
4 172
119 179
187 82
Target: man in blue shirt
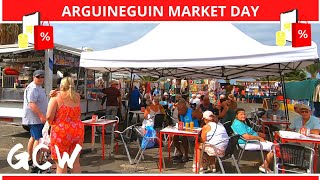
134 102
185 115
239 127
306 120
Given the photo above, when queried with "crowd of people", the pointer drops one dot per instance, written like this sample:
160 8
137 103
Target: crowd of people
63 113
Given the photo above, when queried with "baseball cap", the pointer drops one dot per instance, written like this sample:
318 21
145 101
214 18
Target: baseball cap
303 106
165 94
208 115
38 73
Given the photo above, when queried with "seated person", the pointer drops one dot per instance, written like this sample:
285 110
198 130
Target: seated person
306 120
239 127
185 114
275 111
216 136
154 108
220 111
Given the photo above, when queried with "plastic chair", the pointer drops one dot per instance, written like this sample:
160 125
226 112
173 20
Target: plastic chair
126 137
242 149
293 158
159 121
229 153
141 151
227 126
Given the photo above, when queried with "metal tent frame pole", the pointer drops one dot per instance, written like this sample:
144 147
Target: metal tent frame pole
127 108
282 80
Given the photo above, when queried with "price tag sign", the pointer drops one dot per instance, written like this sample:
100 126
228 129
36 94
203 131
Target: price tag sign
301 34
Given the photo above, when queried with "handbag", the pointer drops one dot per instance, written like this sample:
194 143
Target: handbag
149 139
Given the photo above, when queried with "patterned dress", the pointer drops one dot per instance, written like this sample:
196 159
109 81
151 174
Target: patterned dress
67 130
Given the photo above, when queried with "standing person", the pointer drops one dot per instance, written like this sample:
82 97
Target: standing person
113 96
134 103
34 112
67 130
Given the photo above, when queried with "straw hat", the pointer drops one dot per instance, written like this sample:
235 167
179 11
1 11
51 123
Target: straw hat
114 82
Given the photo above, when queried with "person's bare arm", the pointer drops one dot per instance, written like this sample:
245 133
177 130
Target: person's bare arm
197 115
225 109
315 131
261 135
251 137
205 130
52 108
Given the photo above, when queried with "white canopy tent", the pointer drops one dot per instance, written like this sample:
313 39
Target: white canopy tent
199 49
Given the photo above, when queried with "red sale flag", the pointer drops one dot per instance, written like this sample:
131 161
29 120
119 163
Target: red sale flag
43 37
301 34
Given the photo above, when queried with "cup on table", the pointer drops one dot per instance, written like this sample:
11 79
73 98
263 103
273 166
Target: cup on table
274 117
180 126
177 125
187 126
191 125
94 118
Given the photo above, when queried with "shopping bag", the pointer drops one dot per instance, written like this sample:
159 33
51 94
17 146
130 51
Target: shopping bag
149 139
301 34
43 37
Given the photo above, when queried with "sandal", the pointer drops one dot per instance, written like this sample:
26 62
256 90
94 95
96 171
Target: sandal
213 168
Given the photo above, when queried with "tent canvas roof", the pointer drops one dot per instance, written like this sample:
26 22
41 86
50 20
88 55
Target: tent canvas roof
14 49
199 49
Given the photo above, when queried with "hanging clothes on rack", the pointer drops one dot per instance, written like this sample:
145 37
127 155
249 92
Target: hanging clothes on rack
316 101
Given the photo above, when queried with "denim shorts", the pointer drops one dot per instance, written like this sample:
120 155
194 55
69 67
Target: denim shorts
36 131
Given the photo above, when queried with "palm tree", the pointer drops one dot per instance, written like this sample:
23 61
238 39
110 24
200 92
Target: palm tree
9 33
313 69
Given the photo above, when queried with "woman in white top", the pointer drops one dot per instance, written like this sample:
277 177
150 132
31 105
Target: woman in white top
216 138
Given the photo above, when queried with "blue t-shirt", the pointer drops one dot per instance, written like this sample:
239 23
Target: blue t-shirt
312 123
187 118
241 128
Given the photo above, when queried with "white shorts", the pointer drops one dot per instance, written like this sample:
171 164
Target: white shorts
252 146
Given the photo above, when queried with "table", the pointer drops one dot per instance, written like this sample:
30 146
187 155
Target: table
103 123
265 122
171 131
137 113
302 140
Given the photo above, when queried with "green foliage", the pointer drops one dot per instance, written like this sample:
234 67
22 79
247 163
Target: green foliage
313 69
296 75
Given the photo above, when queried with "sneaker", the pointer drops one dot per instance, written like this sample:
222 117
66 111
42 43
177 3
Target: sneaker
177 157
262 169
184 160
34 169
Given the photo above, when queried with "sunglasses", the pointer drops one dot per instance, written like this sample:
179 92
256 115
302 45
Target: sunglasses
275 105
304 111
40 77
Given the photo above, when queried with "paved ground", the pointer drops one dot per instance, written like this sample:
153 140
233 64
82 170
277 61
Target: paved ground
91 162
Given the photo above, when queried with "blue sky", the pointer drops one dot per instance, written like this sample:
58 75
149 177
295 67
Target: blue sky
101 36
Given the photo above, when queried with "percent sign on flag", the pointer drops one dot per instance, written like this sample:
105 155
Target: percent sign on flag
43 37
301 34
